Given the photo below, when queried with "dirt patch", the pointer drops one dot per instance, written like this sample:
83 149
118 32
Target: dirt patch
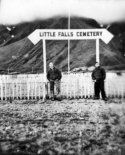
69 127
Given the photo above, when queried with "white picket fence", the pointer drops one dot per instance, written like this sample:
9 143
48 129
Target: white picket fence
82 86
21 86
31 86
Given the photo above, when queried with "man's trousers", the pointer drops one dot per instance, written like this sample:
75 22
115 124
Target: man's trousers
99 87
54 84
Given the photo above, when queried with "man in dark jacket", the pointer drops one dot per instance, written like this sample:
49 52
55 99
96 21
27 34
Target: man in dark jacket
54 76
98 76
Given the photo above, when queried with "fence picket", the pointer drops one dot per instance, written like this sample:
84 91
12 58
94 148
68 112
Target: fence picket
84 88
20 90
13 89
122 93
32 88
106 88
81 85
1 90
28 89
5 84
88 88
17 91
35 87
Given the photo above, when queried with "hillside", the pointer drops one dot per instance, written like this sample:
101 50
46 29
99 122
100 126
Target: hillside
18 54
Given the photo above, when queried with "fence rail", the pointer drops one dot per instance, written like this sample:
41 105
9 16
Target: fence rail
72 86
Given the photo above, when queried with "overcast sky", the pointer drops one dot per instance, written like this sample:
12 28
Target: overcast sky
103 11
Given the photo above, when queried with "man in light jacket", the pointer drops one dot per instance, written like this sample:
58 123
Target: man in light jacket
54 77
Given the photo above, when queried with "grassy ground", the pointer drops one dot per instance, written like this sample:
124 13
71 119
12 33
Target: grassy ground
69 127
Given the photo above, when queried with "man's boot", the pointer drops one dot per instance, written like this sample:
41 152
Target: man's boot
58 97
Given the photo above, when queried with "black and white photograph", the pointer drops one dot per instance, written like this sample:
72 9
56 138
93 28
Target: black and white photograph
62 77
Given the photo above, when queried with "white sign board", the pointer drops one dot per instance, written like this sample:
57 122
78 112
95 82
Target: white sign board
72 34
